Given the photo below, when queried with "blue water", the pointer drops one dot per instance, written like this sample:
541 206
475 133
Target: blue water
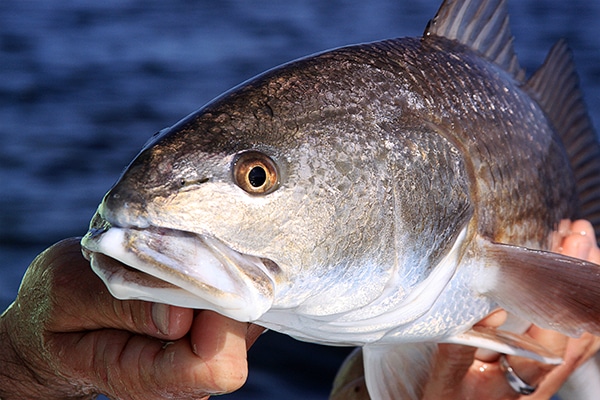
83 84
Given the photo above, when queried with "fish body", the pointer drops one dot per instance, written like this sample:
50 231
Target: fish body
376 194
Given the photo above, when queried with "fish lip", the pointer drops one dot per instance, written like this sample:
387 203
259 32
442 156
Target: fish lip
198 270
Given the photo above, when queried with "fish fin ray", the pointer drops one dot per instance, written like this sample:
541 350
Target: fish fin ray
506 343
555 86
483 26
397 371
551 290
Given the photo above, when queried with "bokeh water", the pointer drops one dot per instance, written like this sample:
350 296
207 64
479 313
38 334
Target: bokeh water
84 84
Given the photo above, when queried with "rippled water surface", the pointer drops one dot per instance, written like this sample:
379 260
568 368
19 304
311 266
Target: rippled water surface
83 85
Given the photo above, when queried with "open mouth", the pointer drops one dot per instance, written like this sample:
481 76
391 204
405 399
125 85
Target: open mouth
179 268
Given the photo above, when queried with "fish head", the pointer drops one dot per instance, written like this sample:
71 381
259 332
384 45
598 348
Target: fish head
256 201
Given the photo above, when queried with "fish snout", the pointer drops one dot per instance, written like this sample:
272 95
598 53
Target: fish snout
124 207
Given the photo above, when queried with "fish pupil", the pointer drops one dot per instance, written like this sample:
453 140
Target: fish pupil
257 176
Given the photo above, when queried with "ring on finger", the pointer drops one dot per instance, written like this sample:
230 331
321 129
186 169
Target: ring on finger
515 382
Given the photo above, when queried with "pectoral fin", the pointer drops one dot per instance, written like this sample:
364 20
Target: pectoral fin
551 290
505 342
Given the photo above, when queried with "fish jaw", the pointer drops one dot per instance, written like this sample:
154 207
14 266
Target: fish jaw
180 268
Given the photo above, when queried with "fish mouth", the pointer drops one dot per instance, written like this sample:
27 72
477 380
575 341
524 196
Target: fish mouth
180 268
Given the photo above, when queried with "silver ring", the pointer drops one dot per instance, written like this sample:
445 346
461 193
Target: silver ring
518 384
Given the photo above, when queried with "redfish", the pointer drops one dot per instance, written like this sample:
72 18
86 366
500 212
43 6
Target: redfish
386 195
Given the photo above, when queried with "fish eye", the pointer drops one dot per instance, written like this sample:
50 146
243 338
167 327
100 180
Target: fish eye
255 172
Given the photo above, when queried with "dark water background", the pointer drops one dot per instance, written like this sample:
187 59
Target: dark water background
83 84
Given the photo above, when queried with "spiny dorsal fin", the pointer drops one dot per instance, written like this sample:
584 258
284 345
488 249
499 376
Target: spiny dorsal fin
483 26
555 85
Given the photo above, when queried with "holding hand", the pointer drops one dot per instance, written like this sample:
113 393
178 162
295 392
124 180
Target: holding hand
65 336
457 371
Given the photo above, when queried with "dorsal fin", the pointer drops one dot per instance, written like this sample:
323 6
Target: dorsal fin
483 26
555 86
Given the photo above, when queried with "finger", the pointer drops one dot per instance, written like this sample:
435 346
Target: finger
488 381
530 371
494 319
453 361
581 242
211 360
578 351
220 342
554 341
485 378
79 300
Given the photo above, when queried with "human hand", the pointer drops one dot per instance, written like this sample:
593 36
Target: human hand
457 373
65 336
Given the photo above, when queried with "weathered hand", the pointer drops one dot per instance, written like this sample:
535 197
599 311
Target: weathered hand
65 336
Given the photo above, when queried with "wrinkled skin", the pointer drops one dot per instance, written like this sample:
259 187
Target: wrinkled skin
459 374
66 337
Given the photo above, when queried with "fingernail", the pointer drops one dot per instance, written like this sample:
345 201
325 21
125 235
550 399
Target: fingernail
160 317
